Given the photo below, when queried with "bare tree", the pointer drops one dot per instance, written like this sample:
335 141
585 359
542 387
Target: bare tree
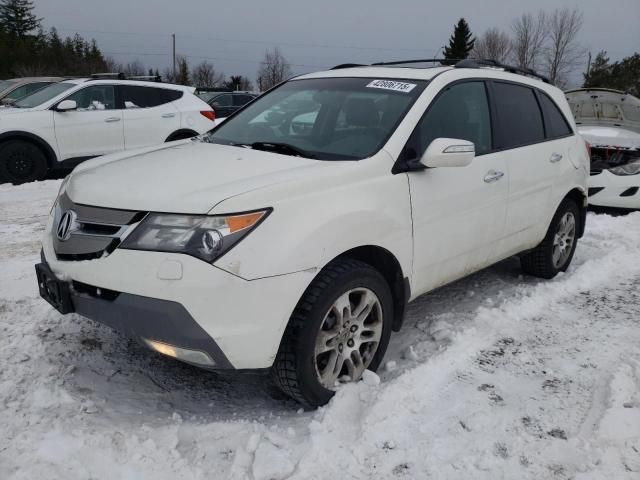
132 69
529 36
167 75
563 53
274 69
494 45
205 75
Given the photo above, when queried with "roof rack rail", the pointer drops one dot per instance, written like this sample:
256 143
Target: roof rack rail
122 76
348 65
441 61
485 62
457 63
146 78
108 76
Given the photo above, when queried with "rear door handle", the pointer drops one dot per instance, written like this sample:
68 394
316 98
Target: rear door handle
112 119
493 176
555 158
168 115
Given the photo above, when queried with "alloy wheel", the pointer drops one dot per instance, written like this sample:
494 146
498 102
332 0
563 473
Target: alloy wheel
348 338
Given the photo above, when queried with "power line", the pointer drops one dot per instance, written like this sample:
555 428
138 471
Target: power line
261 42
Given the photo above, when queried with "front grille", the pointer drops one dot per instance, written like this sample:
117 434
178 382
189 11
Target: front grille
94 232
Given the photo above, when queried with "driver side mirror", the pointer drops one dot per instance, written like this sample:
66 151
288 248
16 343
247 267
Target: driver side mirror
67 105
448 152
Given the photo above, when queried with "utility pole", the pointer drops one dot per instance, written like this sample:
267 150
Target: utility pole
589 65
173 36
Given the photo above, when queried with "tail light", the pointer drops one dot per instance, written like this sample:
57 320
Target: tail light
210 114
587 145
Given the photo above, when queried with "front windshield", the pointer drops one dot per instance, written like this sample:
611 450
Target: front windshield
44 95
4 84
323 118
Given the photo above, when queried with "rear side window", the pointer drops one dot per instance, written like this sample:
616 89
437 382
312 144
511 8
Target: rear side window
554 121
461 111
146 97
519 120
241 100
222 101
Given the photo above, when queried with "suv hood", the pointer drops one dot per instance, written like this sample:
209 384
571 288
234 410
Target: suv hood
189 177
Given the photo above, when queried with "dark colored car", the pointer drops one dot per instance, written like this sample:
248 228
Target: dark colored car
225 103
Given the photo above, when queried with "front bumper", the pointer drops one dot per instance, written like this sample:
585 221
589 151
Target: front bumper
182 301
617 191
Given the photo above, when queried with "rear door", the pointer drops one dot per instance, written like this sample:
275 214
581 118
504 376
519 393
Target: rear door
150 117
533 163
458 212
95 128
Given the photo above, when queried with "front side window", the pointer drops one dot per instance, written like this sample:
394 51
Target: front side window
555 123
95 97
44 95
519 120
461 111
323 118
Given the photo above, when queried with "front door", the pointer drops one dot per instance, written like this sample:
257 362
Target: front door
458 212
95 128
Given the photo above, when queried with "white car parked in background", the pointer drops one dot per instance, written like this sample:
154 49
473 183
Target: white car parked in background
303 224
72 121
609 120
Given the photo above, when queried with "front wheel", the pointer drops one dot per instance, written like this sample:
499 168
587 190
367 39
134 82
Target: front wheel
556 251
21 162
340 328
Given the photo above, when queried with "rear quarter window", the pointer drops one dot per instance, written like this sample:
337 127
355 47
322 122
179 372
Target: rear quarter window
555 122
519 119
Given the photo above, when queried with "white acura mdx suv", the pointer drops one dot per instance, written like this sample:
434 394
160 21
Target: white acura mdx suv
74 120
292 236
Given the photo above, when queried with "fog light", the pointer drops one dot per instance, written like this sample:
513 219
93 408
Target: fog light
190 356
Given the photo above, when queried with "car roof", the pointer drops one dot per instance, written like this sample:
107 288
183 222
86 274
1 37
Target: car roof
24 80
140 83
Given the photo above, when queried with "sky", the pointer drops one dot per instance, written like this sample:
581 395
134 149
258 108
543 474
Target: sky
313 35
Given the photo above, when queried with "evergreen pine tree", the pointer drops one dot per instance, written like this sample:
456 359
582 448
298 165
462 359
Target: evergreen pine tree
599 72
17 17
461 42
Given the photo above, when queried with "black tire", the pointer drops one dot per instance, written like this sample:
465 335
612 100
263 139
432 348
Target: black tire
180 136
539 261
21 162
294 370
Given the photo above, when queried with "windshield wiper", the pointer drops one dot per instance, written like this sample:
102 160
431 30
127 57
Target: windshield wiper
283 148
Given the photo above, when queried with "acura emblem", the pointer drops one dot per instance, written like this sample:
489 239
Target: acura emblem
67 225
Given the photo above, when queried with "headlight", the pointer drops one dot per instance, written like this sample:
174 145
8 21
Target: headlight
202 236
632 168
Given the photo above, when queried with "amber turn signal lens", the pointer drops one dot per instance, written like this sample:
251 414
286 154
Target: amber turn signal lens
240 222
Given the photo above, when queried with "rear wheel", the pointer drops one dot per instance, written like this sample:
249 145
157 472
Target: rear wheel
556 251
339 329
21 162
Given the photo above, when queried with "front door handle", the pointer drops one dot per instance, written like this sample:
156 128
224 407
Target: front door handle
112 119
555 158
493 176
168 115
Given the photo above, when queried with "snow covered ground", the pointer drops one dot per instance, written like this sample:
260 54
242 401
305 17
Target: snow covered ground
496 376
